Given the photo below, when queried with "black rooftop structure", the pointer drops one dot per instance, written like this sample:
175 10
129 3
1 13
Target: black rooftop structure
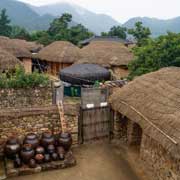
84 74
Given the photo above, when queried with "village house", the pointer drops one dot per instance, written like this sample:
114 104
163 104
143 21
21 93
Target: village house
56 56
147 117
7 61
112 55
33 47
18 51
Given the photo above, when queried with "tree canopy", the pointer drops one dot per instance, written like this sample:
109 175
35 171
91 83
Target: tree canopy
116 31
157 53
140 33
5 28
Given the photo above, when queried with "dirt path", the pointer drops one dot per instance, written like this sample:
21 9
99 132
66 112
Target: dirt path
94 162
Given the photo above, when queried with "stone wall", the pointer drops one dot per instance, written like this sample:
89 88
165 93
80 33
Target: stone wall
159 163
19 122
21 98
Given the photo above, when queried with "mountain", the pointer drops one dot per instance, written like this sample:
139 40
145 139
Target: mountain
157 26
39 18
21 14
95 22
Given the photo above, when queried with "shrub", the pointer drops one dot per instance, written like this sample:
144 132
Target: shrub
19 79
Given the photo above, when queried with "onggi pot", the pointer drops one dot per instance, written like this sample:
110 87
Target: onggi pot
65 140
12 147
47 139
27 153
32 139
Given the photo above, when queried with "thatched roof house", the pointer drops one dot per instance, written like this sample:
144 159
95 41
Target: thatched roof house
33 47
19 51
106 53
153 101
113 55
60 51
58 55
7 61
14 48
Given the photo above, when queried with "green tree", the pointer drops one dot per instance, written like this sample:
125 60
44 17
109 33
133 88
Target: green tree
155 54
79 33
41 37
116 31
140 33
59 25
19 33
5 28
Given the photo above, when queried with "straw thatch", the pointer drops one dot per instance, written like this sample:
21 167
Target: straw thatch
30 46
8 61
60 51
106 53
15 49
153 101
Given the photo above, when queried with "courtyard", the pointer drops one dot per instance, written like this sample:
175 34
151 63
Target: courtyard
97 161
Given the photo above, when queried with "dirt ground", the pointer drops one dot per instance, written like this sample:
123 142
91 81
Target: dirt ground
99 161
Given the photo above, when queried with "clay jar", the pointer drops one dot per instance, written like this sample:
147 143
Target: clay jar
61 152
47 139
47 158
32 139
32 163
12 147
54 156
40 150
39 158
27 153
65 140
51 149
17 162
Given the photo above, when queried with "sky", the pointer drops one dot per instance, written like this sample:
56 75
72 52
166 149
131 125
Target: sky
122 10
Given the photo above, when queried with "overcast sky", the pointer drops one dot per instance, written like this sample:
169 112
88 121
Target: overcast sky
122 10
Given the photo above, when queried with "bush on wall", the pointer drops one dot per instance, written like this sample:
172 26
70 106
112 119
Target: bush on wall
19 79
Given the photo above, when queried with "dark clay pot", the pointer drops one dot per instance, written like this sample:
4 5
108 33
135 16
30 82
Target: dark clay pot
12 147
47 139
51 149
32 163
47 158
65 140
39 158
17 162
32 139
61 153
40 150
54 156
27 153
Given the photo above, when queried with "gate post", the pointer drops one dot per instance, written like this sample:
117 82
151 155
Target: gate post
58 92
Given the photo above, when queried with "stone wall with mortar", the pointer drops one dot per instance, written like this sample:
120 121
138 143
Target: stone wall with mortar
158 162
19 122
21 98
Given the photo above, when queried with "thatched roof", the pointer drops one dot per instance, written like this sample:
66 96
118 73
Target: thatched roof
60 51
30 46
7 61
106 53
14 48
153 101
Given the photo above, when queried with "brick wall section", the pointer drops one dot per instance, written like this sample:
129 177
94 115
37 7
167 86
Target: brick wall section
158 161
21 98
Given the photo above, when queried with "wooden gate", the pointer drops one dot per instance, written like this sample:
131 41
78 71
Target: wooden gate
95 116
